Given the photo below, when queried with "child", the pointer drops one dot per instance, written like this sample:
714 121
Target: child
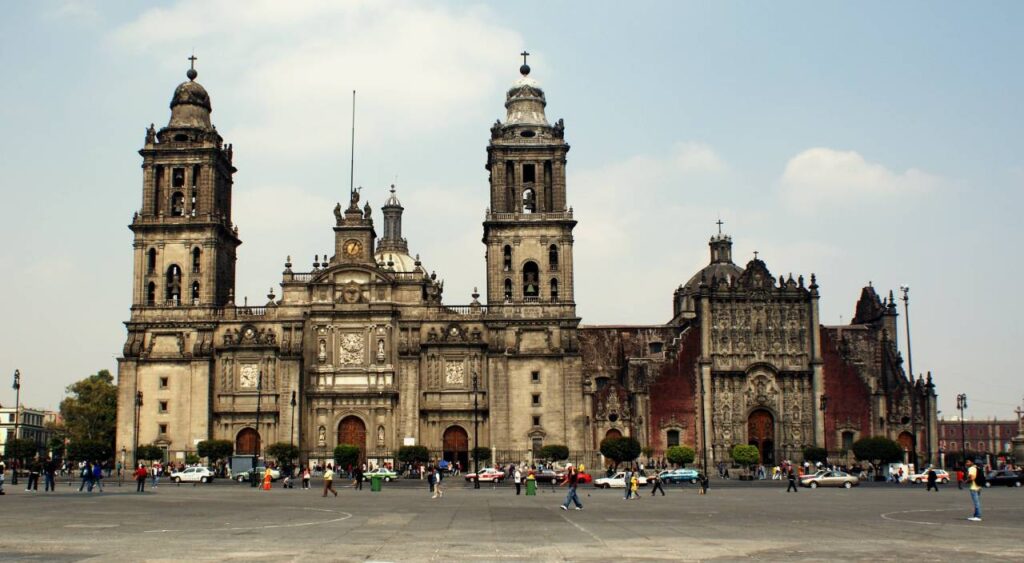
634 486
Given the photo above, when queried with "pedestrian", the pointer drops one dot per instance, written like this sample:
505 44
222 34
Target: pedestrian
305 478
34 470
438 491
97 475
656 479
431 478
140 478
975 480
268 478
155 470
626 483
86 475
932 480
329 481
517 478
634 487
50 475
3 469
792 481
960 478
571 479
703 478
357 478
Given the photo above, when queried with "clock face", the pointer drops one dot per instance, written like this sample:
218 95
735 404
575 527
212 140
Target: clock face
353 248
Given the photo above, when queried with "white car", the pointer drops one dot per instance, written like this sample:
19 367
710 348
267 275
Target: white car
617 481
193 475
940 475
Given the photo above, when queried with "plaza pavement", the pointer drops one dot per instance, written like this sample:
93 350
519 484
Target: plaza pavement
734 522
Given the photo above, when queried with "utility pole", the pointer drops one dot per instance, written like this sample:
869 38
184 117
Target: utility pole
17 418
476 432
256 451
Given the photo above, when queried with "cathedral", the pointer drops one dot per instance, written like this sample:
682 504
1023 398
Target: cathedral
362 350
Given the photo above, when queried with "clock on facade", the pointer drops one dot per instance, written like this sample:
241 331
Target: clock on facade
353 248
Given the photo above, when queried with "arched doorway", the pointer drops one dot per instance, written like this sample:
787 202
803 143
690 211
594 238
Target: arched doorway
906 441
352 431
456 445
247 442
761 435
613 433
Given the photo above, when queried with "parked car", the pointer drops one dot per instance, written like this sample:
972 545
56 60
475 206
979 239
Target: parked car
386 474
548 476
831 479
817 473
582 478
940 475
488 475
617 481
193 475
247 475
1004 477
681 475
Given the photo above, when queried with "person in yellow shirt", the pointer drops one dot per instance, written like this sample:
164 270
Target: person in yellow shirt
634 487
329 481
974 487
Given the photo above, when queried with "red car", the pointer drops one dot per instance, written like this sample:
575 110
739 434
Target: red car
487 475
581 478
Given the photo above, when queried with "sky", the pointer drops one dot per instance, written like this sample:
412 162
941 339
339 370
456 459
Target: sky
869 142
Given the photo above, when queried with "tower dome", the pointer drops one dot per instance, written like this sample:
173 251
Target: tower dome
190 105
525 100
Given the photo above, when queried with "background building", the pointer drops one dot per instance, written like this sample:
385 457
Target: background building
31 426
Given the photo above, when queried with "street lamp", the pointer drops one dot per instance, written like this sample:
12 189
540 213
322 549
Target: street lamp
476 432
824 407
138 407
961 404
256 451
17 418
293 418
905 290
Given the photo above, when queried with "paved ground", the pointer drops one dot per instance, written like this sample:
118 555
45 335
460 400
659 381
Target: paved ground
735 521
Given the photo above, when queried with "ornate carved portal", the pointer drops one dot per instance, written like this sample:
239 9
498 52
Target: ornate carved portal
456 445
352 431
761 434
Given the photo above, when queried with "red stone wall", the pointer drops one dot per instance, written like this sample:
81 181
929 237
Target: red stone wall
849 398
673 393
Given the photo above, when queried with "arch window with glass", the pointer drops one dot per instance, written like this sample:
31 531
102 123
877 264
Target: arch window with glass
530 275
672 438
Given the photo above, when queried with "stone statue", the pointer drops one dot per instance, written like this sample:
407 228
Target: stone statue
322 436
337 213
150 135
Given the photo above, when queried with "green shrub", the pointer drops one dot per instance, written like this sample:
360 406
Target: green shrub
680 455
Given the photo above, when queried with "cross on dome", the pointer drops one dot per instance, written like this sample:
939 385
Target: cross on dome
525 69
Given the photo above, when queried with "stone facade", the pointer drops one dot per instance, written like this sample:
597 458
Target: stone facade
362 350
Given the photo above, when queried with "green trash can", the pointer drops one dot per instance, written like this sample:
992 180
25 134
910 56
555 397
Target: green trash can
531 487
375 482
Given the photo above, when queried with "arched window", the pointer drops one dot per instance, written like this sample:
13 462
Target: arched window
529 200
672 438
554 289
178 204
173 284
196 253
151 261
195 293
508 289
506 254
847 441
553 257
151 294
530 275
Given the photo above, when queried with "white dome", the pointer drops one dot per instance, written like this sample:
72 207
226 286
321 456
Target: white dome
401 262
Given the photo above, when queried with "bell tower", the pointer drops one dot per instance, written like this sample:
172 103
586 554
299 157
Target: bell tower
528 228
184 239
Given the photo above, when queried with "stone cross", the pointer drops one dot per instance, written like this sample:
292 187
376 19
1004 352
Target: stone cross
192 61
719 223
524 54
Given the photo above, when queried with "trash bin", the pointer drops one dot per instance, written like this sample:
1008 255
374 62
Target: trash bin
375 482
531 487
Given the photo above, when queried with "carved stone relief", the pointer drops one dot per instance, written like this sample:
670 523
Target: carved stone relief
455 374
351 351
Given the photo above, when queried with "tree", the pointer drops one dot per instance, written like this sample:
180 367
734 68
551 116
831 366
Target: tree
21 449
554 452
680 455
877 449
620 450
346 455
745 455
191 458
90 410
215 450
283 452
413 454
88 450
149 452
482 454
815 454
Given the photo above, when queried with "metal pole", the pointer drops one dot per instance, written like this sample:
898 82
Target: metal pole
961 403
256 451
17 418
476 432
905 290
138 408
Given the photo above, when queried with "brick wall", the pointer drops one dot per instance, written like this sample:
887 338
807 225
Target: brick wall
673 394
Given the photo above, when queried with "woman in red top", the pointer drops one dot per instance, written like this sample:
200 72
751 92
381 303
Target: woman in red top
140 479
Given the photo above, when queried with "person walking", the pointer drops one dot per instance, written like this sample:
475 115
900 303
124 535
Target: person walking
703 480
517 478
3 469
431 479
357 479
656 480
34 469
792 481
155 469
140 478
438 477
572 480
50 475
626 481
329 481
974 485
305 478
86 475
932 480
634 487
97 475
959 478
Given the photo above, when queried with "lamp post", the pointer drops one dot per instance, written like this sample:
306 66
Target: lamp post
476 431
135 445
961 404
256 452
824 407
905 297
293 418
17 418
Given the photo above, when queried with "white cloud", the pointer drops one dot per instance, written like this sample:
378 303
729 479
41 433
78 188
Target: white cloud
822 177
290 68
76 10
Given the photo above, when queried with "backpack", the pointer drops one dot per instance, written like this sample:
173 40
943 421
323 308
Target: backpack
979 477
